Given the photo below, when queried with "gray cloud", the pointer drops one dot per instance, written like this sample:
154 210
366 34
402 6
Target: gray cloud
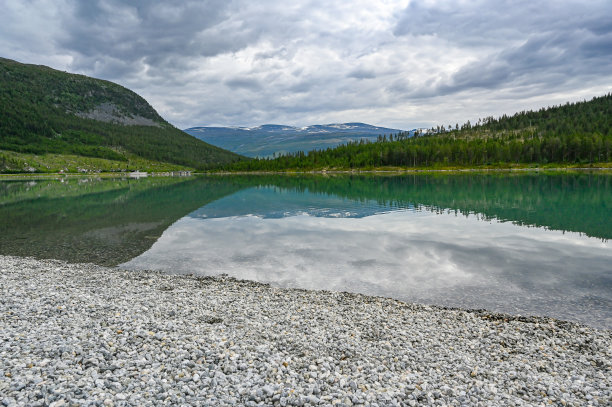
517 43
142 33
546 60
243 83
362 74
400 64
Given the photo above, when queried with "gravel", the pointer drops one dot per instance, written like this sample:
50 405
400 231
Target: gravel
81 334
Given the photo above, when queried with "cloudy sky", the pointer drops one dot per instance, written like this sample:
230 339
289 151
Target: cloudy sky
401 64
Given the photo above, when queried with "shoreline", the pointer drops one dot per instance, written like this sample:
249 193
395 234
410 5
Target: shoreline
79 332
398 171
415 171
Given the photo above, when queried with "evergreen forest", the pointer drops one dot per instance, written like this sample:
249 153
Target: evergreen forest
574 133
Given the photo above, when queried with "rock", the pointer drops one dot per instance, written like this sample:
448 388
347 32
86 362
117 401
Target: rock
80 333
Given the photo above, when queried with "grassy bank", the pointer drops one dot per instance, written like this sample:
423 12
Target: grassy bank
24 163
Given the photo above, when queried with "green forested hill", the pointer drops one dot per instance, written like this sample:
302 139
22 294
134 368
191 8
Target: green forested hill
574 133
48 111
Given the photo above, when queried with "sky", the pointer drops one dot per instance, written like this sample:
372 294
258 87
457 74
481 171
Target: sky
400 64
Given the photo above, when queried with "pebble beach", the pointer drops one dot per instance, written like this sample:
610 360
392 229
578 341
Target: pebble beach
82 334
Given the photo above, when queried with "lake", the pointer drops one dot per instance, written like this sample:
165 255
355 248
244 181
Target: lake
530 244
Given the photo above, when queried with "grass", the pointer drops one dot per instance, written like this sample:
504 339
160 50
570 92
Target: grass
24 163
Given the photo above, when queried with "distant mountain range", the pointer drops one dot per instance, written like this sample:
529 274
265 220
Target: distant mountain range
264 141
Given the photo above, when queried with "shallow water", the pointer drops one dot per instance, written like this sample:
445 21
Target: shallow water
527 244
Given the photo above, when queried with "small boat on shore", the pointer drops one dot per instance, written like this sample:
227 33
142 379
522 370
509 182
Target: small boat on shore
138 174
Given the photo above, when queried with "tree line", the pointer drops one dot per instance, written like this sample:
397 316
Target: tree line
572 133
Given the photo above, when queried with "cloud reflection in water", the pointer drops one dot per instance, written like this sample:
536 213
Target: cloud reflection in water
417 256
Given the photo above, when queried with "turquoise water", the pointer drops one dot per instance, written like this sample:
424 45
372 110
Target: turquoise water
530 244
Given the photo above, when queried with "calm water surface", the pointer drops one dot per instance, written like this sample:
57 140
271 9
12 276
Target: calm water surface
528 244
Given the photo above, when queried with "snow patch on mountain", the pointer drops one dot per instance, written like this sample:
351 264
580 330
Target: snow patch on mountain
273 139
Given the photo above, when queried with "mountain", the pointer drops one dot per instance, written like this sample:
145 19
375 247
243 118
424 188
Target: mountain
45 111
264 141
573 134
